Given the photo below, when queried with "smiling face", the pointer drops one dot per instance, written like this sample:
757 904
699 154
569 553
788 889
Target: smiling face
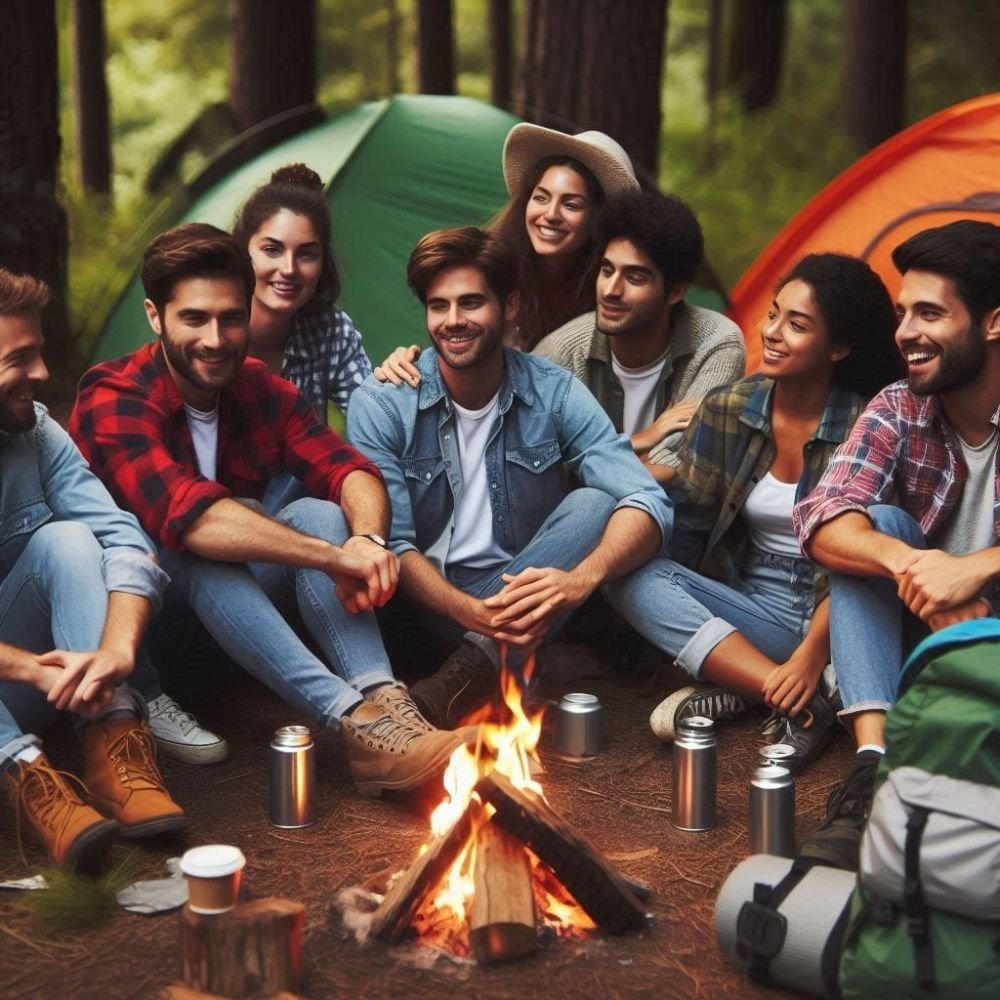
942 349
287 258
22 370
558 212
631 297
204 334
795 339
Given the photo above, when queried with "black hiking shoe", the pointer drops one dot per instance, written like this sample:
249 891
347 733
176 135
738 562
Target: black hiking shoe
837 842
708 700
809 732
466 680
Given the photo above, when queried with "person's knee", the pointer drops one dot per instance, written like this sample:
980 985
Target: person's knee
587 502
319 518
895 522
67 544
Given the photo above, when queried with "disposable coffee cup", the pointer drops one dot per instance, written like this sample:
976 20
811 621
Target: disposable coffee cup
213 876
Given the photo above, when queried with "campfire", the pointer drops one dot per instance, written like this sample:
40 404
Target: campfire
501 864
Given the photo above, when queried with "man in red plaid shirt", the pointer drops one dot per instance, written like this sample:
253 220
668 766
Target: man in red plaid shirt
190 435
907 516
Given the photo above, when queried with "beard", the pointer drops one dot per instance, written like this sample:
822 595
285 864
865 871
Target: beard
958 367
184 360
17 418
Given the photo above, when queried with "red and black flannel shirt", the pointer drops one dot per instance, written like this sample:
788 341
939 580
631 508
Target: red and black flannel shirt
129 421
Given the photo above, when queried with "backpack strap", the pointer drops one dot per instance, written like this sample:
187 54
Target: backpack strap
914 905
760 927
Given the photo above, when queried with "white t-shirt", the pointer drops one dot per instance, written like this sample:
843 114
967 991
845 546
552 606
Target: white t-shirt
639 386
970 527
205 437
768 512
472 540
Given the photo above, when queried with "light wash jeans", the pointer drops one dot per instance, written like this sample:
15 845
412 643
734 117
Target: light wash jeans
243 606
569 534
54 597
871 630
687 615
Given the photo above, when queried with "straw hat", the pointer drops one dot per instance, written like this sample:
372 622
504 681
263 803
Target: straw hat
607 161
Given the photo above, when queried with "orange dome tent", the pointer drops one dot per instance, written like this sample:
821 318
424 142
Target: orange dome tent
944 168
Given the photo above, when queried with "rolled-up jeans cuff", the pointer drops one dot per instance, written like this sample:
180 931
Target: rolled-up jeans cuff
708 636
873 705
350 695
9 751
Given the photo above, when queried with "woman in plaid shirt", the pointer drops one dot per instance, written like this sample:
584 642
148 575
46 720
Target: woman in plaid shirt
754 620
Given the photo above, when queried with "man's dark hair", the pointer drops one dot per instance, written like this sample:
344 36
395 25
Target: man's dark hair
967 252
661 225
468 246
858 313
194 250
21 293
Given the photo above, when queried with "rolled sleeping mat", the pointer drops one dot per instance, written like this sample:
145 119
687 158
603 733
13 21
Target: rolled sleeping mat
802 940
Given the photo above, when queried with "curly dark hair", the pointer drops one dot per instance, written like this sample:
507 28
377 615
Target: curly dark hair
662 225
859 313
298 189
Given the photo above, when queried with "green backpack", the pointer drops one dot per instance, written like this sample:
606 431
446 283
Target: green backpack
925 915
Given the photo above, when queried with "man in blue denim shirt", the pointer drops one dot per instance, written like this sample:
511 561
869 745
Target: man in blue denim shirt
77 588
493 545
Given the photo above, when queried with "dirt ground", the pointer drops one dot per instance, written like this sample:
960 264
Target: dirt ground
620 800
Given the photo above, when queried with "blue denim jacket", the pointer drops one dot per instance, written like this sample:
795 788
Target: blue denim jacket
44 478
547 418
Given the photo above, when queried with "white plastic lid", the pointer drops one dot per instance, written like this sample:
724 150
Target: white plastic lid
212 861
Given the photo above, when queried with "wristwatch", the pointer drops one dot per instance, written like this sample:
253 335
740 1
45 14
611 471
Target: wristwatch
377 539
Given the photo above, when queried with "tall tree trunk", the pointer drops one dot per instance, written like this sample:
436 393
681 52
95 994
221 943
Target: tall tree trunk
392 46
93 133
32 223
273 57
500 53
874 83
597 65
757 45
435 47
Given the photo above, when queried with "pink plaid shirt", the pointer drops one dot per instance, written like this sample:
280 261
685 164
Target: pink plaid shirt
902 452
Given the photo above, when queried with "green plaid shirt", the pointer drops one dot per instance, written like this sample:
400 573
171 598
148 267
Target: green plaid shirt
727 448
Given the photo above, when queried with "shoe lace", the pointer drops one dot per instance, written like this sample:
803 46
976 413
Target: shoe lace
851 796
173 712
134 757
794 731
390 734
717 704
398 701
48 795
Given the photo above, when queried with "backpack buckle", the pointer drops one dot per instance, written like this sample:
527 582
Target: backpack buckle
760 935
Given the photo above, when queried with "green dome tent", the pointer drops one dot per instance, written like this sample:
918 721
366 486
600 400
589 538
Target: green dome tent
395 169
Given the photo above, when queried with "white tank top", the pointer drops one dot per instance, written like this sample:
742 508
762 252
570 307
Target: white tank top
768 512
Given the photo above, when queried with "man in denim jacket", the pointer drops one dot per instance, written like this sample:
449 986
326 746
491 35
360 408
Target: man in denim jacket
493 545
77 588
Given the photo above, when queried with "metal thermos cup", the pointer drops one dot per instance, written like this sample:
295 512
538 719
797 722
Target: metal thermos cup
293 778
579 725
694 774
772 812
779 754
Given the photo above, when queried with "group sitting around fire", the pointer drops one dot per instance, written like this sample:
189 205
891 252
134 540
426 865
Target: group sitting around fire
573 427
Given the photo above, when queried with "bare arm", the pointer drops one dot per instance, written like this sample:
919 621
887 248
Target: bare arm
365 503
789 688
425 584
850 543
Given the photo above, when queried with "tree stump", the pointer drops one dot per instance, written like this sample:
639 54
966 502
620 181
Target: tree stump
252 950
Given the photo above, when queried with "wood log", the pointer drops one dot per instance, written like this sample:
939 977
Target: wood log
502 926
252 950
178 991
594 883
394 915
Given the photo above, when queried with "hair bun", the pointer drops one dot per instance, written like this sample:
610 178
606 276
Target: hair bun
297 173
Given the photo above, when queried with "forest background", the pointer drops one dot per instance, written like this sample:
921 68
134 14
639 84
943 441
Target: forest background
758 103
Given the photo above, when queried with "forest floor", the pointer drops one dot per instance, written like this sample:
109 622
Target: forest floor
620 800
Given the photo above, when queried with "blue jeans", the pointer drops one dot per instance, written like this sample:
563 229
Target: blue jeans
569 534
871 630
243 606
54 597
687 615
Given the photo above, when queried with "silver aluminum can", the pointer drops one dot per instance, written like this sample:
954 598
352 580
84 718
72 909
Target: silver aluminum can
579 725
694 774
293 778
779 754
772 812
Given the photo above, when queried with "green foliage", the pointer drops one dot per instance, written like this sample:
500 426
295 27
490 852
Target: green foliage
74 902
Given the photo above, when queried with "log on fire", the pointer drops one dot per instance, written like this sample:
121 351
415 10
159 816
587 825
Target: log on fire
502 925
596 886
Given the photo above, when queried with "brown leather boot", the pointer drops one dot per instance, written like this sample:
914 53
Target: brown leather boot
121 774
465 681
76 836
388 754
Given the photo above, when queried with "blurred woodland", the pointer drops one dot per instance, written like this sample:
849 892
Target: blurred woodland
745 108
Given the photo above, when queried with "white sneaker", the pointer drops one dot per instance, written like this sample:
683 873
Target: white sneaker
178 734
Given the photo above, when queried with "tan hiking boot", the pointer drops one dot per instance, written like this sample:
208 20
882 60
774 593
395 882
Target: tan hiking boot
387 754
396 699
76 836
121 773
